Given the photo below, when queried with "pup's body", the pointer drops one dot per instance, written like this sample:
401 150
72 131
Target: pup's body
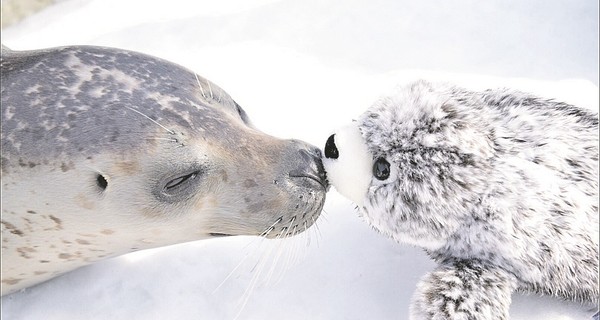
499 187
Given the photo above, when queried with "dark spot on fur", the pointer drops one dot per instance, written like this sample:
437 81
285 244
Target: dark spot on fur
582 116
57 221
115 135
573 163
83 242
12 228
23 252
224 175
11 281
450 111
249 183
64 167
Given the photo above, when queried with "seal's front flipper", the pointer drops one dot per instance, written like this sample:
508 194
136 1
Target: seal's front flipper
463 289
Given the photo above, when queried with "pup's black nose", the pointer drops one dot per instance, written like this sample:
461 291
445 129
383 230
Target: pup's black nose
331 150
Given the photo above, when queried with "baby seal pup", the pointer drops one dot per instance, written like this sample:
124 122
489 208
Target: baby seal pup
107 151
499 187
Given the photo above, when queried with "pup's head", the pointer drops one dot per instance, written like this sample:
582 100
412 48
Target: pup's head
413 162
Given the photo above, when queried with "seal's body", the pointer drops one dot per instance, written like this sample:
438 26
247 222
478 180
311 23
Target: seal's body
106 151
499 187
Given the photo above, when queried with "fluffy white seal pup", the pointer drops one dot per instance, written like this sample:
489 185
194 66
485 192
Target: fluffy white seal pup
499 187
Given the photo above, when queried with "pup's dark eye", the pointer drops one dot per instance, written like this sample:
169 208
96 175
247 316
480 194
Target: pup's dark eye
381 169
180 180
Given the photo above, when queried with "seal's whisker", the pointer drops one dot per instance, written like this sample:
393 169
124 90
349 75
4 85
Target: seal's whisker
301 252
271 227
165 139
200 86
280 250
154 121
323 217
292 256
210 89
294 253
266 232
291 223
220 98
234 270
257 270
262 237
307 233
317 230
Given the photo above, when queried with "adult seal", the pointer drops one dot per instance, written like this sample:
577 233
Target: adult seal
107 151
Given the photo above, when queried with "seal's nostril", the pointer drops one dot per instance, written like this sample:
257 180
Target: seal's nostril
331 150
317 153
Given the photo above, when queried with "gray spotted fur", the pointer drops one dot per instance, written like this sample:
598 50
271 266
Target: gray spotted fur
107 151
499 187
62 86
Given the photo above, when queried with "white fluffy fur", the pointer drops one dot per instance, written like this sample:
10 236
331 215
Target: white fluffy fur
499 187
350 174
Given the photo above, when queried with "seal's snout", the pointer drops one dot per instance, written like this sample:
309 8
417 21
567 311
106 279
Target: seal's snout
317 166
331 151
309 165
348 163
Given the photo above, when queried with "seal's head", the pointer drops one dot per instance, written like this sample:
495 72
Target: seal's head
106 151
408 162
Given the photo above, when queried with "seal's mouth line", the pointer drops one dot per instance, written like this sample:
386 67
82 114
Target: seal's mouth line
316 178
218 234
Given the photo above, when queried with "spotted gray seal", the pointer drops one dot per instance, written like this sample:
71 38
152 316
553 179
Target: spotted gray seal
500 187
107 151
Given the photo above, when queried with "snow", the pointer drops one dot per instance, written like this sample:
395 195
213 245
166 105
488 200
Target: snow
301 69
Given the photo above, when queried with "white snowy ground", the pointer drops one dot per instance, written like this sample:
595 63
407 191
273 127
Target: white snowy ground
301 69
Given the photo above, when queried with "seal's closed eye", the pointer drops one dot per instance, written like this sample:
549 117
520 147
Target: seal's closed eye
179 181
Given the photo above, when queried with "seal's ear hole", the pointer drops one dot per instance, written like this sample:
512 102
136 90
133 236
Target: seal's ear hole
101 182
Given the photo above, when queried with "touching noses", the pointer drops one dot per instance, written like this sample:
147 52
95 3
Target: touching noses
331 151
310 165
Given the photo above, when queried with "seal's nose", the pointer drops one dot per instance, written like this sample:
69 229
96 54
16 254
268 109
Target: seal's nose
311 165
331 151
